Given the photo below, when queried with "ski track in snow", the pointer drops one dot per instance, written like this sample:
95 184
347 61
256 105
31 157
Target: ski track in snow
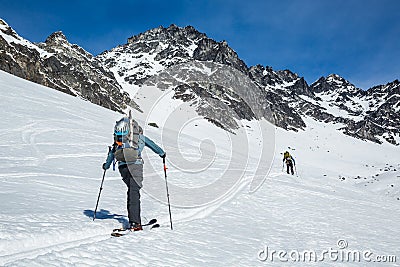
48 194
56 248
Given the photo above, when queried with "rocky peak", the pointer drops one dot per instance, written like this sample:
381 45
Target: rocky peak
173 32
56 38
191 45
264 76
57 43
218 52
335 78
156 50
279 80
6 29
257 72
270 77
334 83
4 25
388 89
287 75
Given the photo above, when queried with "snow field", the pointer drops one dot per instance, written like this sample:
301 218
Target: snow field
52 146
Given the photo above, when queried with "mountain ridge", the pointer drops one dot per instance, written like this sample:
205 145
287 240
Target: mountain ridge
282 97
60 65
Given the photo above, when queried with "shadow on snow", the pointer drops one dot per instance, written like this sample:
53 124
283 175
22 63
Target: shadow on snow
105 215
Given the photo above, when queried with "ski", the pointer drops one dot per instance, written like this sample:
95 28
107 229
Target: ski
151 222
123 231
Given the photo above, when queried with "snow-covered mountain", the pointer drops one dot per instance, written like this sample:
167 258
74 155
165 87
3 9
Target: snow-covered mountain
60 65
208 75
178 58
371 114
344 198
184 60
155 50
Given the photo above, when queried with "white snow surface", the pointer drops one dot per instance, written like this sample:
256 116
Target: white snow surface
52 146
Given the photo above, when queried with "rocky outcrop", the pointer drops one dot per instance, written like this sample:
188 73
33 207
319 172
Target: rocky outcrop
382 119
63 66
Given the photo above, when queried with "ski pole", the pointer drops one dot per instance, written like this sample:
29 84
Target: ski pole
101 188
166 185
98 198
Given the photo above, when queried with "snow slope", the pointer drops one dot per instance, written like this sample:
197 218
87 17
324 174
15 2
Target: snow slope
52 146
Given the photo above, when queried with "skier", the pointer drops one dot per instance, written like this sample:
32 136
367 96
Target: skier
129 142
289 160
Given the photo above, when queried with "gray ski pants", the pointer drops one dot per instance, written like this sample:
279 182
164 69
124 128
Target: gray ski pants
132 175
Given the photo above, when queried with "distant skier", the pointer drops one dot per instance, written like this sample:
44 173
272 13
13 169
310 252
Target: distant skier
129 142
289 160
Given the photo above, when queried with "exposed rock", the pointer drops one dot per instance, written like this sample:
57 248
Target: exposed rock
62 66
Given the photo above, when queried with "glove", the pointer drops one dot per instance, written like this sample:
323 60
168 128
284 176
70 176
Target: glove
104 166
163 156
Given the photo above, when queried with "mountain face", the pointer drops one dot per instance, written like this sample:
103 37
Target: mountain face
382 118
199 70
148 53
207 74
179 58
371 115
60 65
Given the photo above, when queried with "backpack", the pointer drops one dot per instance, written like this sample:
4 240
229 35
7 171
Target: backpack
287 158
126 136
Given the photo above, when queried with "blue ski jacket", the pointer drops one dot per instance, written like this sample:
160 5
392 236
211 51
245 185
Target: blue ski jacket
143 141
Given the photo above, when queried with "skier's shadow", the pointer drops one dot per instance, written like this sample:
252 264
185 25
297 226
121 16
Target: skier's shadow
105 215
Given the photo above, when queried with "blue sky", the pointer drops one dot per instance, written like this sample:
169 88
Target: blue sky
357 39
